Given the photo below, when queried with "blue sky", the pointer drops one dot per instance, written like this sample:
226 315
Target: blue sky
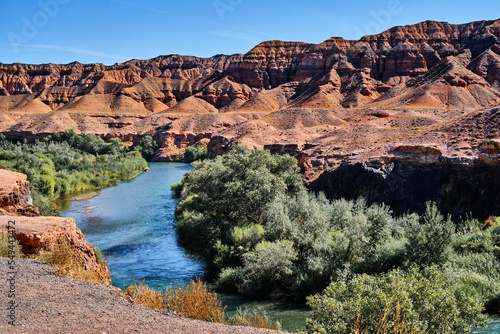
110 31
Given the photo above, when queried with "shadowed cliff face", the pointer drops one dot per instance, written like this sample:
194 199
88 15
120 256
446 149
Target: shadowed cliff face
406 186
337 73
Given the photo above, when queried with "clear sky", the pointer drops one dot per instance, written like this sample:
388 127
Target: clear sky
110 31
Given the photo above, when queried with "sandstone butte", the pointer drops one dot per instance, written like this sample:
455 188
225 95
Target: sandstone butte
405 116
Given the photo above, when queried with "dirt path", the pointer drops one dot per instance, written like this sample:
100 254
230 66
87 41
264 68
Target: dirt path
48 303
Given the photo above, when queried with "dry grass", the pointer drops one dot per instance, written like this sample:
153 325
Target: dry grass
143 295
63 256
196 301
7 250
389 324
68 262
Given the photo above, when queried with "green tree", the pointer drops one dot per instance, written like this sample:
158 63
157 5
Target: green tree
430 243
147 146
232 190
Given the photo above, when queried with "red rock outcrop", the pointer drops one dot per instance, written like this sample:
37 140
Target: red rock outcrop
333 74
422 94
34 232
41 233
15 198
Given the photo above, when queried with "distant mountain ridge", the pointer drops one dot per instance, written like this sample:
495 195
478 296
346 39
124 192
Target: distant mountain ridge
429 64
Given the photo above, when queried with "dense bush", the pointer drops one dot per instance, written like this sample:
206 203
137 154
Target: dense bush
231 191
415 301
249 215
147 146
193 153
250 210
474 264
67 163
430 243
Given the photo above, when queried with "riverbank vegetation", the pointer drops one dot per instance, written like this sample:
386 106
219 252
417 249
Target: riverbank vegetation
196 301
248 214
193 153
66 163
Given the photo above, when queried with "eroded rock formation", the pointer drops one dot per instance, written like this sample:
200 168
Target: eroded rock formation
35 233
420 95
274 74
15 198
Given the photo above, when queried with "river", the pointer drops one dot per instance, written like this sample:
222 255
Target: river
133 224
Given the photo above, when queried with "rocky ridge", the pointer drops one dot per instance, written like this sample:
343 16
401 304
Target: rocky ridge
274 74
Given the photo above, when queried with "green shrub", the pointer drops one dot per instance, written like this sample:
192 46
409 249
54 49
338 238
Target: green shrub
230 279
475 275
98 255
62 186
421 298
177 188
7 155
46 185
474 237
429 243
383 257
194 153
147 146
269 266
248 237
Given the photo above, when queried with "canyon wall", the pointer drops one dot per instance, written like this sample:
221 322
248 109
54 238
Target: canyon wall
423 97
457 188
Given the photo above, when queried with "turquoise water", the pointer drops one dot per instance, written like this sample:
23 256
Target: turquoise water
133 224
493 327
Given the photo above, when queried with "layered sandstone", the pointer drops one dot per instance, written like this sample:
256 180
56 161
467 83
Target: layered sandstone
334 74
423 94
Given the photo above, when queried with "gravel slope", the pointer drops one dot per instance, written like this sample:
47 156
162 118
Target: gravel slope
48 303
